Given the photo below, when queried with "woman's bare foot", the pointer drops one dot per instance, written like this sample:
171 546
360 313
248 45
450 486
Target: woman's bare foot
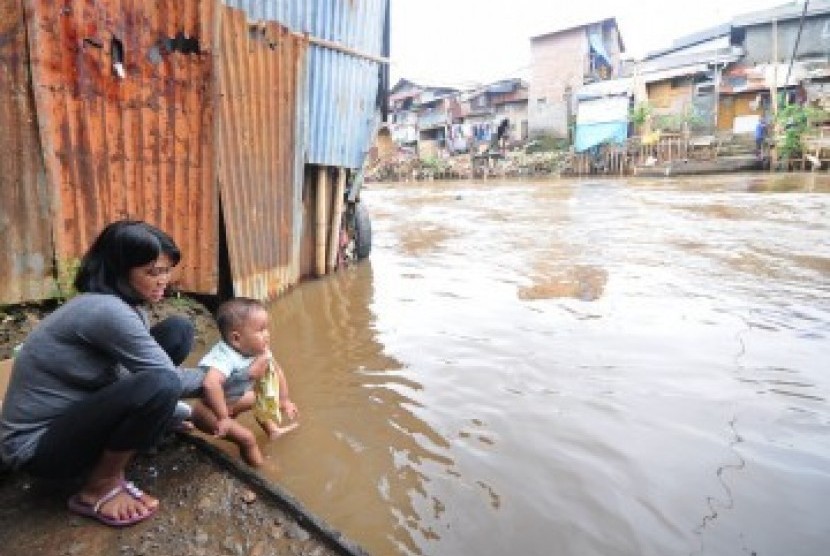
273 430
150 502
127 504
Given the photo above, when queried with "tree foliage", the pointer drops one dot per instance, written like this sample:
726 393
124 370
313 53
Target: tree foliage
794 120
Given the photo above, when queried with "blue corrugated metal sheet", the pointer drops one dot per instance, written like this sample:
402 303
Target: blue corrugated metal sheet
342 88
357 24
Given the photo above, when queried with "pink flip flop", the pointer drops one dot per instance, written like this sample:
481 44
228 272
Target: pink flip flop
78 506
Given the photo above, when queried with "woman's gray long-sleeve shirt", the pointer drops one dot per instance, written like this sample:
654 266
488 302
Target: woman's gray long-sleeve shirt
73 352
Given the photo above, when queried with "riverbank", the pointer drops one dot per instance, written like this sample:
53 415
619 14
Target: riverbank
206 510
211 504
406 166
548 157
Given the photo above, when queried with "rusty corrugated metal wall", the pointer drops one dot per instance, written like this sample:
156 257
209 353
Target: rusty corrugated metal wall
125 110
26 262
259 67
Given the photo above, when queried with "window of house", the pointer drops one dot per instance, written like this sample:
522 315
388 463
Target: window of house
541 100
704 89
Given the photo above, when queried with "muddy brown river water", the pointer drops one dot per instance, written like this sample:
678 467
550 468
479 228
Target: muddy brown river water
571 367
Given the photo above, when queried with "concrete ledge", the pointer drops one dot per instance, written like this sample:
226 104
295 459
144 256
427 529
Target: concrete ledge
331 537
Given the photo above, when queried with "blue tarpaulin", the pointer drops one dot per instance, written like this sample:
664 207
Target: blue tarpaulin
597 45
591 135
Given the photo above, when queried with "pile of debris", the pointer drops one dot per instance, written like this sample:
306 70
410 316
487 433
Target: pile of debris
408 166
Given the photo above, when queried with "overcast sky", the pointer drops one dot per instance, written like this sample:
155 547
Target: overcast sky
459 42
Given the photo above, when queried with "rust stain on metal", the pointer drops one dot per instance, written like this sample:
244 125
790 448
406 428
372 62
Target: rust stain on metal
257 88
126 121
26 263
125 109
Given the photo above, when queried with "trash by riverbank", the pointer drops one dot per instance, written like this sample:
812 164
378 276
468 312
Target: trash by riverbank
406 166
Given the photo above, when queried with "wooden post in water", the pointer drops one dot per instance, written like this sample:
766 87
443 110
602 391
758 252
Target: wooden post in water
320 220
336 218
773 95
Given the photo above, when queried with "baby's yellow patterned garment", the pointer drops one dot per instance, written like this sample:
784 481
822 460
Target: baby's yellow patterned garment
267 392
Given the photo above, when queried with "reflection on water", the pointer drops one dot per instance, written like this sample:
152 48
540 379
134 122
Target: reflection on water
627 367
580 282
357 457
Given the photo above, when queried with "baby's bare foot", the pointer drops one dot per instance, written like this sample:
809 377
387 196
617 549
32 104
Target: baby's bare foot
251 454
274 431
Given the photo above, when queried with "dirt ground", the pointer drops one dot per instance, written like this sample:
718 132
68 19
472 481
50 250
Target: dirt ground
211 504
205 511
16 321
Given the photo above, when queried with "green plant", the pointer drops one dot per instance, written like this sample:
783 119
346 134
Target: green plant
176 299
434 163
793 121
547 143
675 122
64 289
639 113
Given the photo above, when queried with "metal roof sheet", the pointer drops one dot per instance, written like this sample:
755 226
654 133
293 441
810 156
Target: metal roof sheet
784 12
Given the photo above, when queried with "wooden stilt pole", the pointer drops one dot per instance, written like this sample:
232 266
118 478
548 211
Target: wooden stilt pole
773 95
320 220
336 217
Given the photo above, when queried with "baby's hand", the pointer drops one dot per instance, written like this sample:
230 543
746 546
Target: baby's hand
290 408
259 367
222 427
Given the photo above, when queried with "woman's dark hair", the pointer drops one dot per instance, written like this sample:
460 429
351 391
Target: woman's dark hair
120 247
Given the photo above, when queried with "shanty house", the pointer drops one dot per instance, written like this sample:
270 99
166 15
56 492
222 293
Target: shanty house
681 81
794 59
435 117
562 61
484 108
403 113
419 112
